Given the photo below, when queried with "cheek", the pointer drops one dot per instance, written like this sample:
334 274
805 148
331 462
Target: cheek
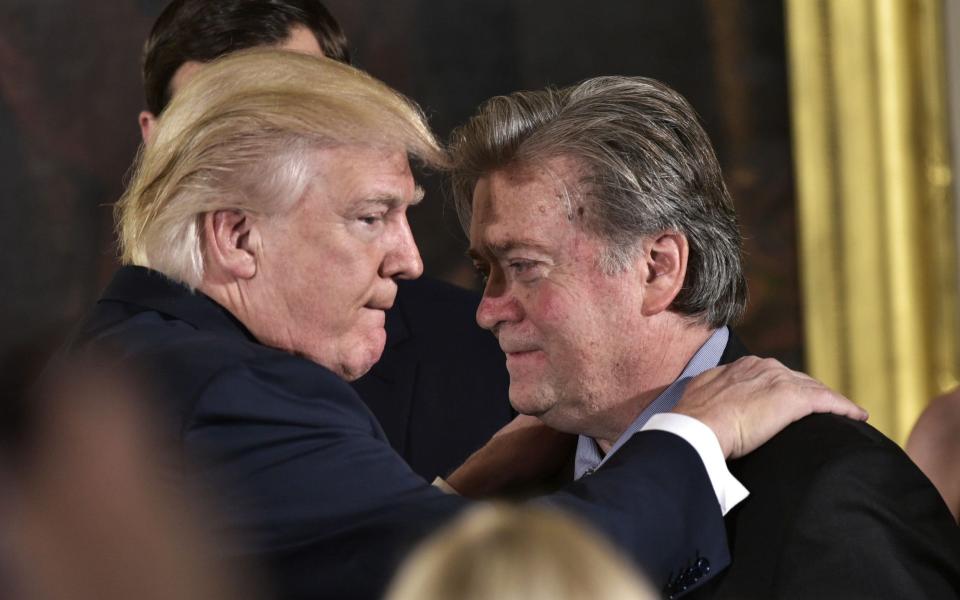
545 308
580 329
560 322
346 281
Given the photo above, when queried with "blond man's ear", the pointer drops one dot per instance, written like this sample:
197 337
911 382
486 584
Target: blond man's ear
230 240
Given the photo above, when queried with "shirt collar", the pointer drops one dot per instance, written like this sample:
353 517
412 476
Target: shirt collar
589 457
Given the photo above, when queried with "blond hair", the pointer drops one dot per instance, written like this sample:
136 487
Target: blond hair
499 552
240 136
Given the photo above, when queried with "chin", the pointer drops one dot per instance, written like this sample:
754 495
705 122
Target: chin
534 402
350 357
363 356
353 369
353 373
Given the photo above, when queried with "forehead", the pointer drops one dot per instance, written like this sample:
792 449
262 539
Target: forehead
301 39
351 174
529 205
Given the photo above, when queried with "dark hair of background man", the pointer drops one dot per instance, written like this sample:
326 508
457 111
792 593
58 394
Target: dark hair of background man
201 30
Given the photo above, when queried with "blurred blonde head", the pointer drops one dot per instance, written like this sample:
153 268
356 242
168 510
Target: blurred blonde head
239 136
508 553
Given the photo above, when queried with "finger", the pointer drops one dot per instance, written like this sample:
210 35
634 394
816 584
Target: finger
834 403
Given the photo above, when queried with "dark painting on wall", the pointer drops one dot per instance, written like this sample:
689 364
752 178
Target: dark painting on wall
70 93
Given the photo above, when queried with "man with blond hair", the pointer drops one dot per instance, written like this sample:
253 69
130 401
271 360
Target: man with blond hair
262 234
440 389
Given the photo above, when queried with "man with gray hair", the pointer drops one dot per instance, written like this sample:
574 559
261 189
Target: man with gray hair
599 217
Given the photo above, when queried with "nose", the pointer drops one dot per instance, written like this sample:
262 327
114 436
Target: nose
402 260
497 306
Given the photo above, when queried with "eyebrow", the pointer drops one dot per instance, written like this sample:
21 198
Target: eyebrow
393 201
505 246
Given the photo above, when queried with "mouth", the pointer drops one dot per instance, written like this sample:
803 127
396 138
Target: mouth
377 313
513 347
516 357
382 303
382 299
517 349
519 352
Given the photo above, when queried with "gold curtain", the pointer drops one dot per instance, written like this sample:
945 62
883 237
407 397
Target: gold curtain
876 215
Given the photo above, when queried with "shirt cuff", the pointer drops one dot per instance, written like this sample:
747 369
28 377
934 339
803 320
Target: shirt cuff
729 491
441 484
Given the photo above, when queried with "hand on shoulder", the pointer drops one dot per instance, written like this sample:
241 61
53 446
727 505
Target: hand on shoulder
749 401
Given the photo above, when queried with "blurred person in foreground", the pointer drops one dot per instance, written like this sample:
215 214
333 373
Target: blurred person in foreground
499 552
88 510
934 444
599 216
440 388
262 235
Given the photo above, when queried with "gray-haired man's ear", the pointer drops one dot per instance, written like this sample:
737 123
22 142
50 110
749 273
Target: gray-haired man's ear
147 121
665 261
230 242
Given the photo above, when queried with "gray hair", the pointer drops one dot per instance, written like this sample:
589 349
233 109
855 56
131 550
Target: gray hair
648 167
241 136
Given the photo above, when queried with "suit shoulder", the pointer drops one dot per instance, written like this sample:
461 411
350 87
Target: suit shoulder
199 372
280 388
824 461
814 448
837 489
827 433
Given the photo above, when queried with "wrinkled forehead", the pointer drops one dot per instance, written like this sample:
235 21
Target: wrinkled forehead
529 206
360 174
530 191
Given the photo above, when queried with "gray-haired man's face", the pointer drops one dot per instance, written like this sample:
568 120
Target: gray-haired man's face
564 324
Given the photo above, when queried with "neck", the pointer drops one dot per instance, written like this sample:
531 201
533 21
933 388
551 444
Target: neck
231 296
664 356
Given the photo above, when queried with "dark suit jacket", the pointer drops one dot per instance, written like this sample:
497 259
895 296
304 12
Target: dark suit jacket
836 510
440 388
305 474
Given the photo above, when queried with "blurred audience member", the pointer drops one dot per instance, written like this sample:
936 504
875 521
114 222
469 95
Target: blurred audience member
500 552
934 444
89 511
